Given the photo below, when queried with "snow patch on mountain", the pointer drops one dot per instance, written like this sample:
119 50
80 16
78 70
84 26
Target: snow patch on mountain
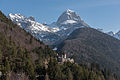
69 22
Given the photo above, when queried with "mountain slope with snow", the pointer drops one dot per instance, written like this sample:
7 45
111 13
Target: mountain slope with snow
53 33
68 22
116 35
38 30
30 23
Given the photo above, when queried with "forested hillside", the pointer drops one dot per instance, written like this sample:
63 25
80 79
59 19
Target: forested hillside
90 45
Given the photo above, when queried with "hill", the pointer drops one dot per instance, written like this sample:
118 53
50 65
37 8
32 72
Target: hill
20 53
89 45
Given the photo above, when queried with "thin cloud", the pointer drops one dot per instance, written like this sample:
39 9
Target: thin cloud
91 3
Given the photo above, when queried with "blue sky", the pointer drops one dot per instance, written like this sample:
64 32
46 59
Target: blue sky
103 14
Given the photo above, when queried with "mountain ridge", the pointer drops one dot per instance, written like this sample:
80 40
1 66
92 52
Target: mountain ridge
116 35
66 23
18 52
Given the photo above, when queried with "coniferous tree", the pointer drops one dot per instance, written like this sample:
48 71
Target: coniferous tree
69 74
7 65
0 55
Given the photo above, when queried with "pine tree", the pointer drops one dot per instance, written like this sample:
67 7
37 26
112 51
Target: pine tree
7 65
69 75
0 55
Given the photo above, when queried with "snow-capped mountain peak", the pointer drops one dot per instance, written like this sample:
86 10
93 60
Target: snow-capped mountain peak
110 33
68 10
16 17
116 35
30 23
53 33
68 17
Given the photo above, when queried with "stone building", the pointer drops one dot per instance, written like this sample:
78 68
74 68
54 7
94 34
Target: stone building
63 58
